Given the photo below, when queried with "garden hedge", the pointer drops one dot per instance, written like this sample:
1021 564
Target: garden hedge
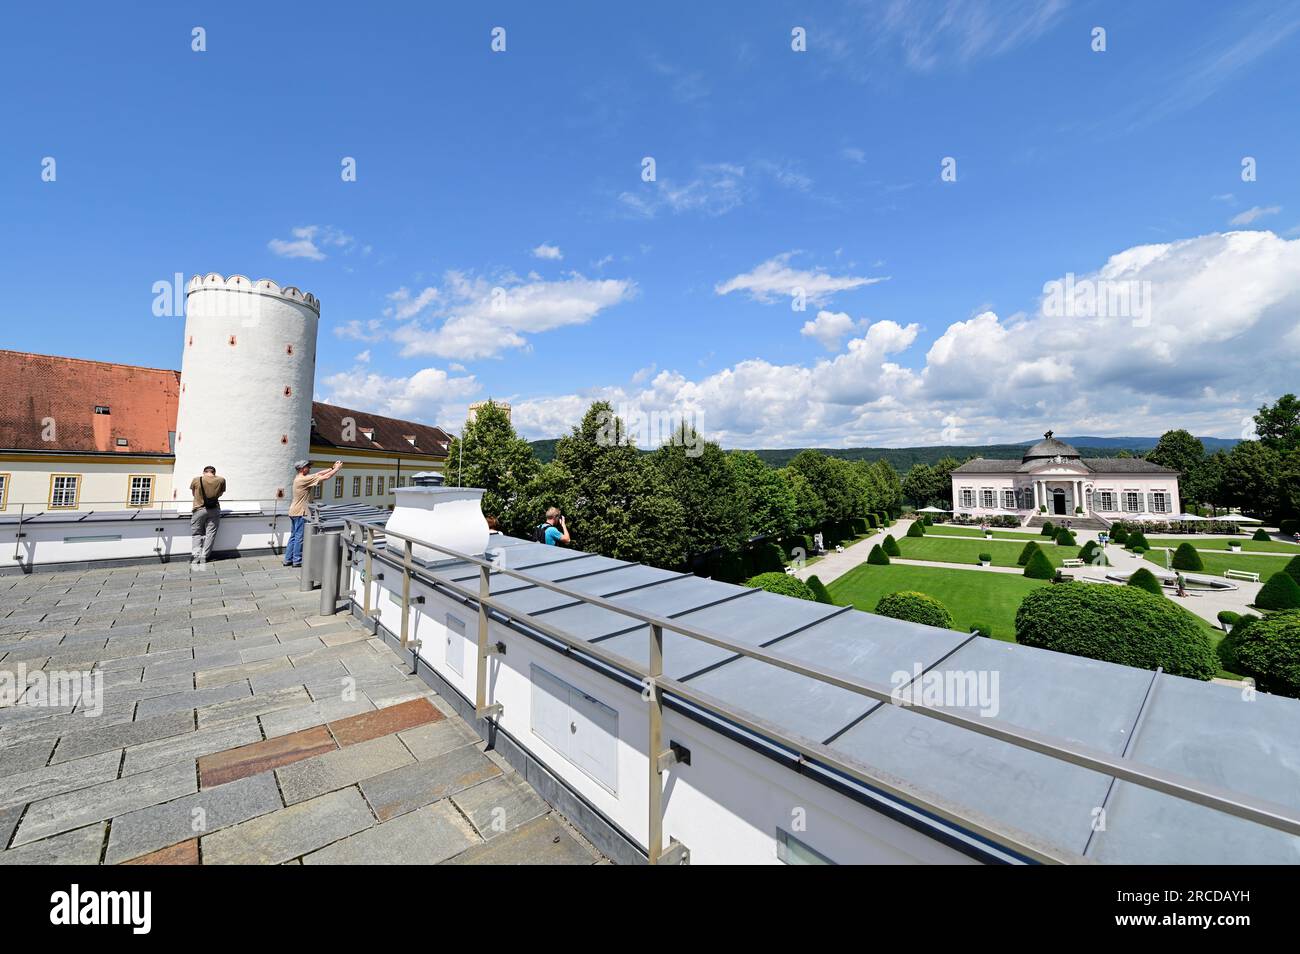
781 583
1038 567
984 629
1119 535
1144 579
1268 650
1280 592
1227 648
1119 624
1186 558
1064 538
877 556
915 608
1289 527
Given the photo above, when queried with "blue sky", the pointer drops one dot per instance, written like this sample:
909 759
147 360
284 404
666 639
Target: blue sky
521 172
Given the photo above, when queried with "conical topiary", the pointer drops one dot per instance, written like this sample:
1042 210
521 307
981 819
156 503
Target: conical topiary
917 529
1281 592
1029 550
819 591
890 545
1049 530
1261 535
1039 567
1186 558
877 556
1119 535
1138 539
1292 568
1144 579
1088 552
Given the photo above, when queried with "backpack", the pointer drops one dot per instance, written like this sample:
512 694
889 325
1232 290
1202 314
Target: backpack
539 535
208 502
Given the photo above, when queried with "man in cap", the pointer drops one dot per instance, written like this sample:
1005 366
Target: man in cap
302 485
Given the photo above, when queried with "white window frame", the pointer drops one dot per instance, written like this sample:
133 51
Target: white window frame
58 493
147 483
967 497
1106 501
1161 501
1134 497
988 498
1008 499
4 490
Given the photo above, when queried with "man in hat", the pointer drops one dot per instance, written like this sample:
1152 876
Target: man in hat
302 485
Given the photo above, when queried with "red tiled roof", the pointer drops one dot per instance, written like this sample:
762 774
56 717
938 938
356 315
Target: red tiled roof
35 388
372 432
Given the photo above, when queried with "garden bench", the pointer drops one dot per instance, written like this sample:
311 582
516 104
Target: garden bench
1241 575
1072 563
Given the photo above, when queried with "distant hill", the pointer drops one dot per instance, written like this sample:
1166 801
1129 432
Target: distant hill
902 458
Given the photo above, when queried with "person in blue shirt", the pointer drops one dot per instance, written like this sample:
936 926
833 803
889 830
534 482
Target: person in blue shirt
554 531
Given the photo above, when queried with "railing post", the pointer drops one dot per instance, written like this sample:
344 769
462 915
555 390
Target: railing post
480 675
655 746
406 591
368 539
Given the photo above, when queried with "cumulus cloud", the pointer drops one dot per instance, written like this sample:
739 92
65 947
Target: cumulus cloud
427 395
1253 213
1220 338
776 279
830 328
310 242
549 252
479 319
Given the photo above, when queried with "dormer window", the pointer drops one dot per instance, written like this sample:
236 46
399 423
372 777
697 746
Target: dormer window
368 433
102 409
410 439
121 442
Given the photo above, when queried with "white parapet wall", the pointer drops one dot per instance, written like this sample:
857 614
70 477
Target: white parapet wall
248 366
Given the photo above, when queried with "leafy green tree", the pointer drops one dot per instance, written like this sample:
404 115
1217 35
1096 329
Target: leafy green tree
832 480
891 485
764 494
618 502
943 481
809 508
697 474
1278 425
1250 477
918 485
1179 450
489 454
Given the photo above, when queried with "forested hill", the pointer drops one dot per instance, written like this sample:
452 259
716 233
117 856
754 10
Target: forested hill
902 458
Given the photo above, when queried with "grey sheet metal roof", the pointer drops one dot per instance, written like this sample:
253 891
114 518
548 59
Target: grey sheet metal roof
1098 465
1204 730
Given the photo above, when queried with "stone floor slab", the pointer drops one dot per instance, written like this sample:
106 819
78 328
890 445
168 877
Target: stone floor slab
423 837
422 783
289 833
264 756
371 725
324 773
186 853
190 746
55 779
542 841
82 847
500 805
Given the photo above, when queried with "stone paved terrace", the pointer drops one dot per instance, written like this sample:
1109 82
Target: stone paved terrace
239 727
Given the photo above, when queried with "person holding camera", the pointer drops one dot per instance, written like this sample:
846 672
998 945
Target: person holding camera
554 531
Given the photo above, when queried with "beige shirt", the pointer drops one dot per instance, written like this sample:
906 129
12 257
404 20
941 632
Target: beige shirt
207 485
302 486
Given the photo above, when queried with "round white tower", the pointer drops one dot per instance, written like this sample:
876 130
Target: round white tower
246 387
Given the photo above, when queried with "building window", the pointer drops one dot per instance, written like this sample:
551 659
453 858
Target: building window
1107 498
338 486
356 486
65 490
791 851
370 486
316 492
139 490
4 491
1132 501
123 442
392 482
967 497
1160 502
401 481
987 498
102 409
1008 500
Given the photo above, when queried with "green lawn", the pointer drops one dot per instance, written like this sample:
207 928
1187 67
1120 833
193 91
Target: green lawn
949 530
956 550
1216 563
1221 543
990 598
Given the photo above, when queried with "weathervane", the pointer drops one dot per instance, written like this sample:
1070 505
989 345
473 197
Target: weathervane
1048 435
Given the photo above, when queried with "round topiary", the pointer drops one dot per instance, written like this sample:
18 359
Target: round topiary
1088 549
986 557
1038 567
1261 535
984 629
1029 550
1144 579
1119 535
1227 648
1268 650
877 556
890 545
1048 530
1292 568
1186 558
1119 624
782 584
819 591
1138 539
1227 619
916 529
915 608
1280 592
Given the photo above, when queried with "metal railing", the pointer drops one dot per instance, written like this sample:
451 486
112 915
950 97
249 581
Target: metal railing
361 536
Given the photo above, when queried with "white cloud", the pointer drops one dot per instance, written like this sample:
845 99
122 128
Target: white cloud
479 319
404 306
1253 213
549 252
372 330
309 241
426 395
776 279
363 357
716 189
1220 340
830 328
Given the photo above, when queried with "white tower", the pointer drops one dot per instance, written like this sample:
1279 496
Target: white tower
246 387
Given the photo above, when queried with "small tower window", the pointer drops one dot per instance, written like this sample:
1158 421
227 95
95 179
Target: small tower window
288 391
102 409
288 349
232 340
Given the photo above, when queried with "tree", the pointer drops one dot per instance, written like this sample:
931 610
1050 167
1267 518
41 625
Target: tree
919 485
489 454
809 508
619 504
1179 450
764 494
831 479
1268 650
1278 425
891 485
697 474
943 481
1250 477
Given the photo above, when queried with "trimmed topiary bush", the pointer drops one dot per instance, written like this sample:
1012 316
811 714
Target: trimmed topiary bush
1227 619
890 545
1064 538
1038 567
1289 527
872 521
1088 552
1280 592
984 629
1119 624
877 556
1029 550
928 520
986 558
1138 539
917 529
781 583
1292 568
1261 535
1268 650
819 591
1144 579
915 608
1186 558
1048 529
1119 535
1227 648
